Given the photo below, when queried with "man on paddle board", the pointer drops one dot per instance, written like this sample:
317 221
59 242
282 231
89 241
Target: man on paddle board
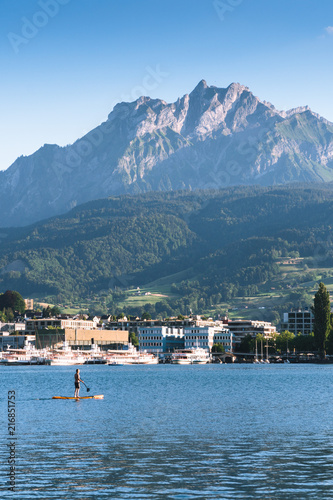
77 381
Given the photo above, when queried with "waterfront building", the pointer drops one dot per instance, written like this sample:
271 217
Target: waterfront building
205 336
12 327
298 321
158 339
223 337
133 325
241 327
32 325
80 338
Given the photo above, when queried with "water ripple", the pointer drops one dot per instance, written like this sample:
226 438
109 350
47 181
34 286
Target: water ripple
176 433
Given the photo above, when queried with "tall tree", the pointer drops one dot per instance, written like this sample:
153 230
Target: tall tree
321 310
285 341
133 339
13 300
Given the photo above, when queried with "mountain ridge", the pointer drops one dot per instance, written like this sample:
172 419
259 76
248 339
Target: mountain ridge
211 138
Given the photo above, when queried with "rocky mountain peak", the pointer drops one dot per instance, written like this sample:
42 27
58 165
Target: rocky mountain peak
294 111
211 138
237 88
200 88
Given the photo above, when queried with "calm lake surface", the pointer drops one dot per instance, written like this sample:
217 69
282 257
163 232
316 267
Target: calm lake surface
171 432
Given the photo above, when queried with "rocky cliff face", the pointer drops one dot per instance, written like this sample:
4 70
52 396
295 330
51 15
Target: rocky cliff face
210 138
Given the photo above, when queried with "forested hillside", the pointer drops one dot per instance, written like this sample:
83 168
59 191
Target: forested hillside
218 244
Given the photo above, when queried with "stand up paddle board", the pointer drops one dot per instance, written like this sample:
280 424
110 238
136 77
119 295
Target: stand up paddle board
99 396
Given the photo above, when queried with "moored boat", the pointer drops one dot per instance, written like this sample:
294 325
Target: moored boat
28 355
130 356
65 356
190 357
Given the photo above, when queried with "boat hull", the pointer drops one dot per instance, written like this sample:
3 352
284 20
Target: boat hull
180 362
64 362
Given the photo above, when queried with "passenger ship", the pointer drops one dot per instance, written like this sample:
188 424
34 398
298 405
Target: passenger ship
197 356
131 356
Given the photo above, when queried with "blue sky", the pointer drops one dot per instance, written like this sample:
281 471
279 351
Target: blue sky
65 63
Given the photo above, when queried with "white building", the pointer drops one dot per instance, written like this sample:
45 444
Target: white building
224 337
206 336
158 339
240 328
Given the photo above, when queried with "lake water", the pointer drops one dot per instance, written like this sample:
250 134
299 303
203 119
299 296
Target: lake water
171 432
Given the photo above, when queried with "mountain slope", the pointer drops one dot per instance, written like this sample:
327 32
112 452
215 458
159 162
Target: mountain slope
211 138
225 243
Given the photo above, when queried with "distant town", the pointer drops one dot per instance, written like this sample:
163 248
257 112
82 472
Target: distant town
42 337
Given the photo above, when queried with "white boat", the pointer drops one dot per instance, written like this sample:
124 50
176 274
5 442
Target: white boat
200 356
17 360
63 361
28 355
197 356
180 358
65 356
130 356
145 358
95 356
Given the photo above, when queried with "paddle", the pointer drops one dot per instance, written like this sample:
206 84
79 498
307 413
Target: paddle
86 386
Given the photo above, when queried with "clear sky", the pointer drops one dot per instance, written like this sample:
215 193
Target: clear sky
65 63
